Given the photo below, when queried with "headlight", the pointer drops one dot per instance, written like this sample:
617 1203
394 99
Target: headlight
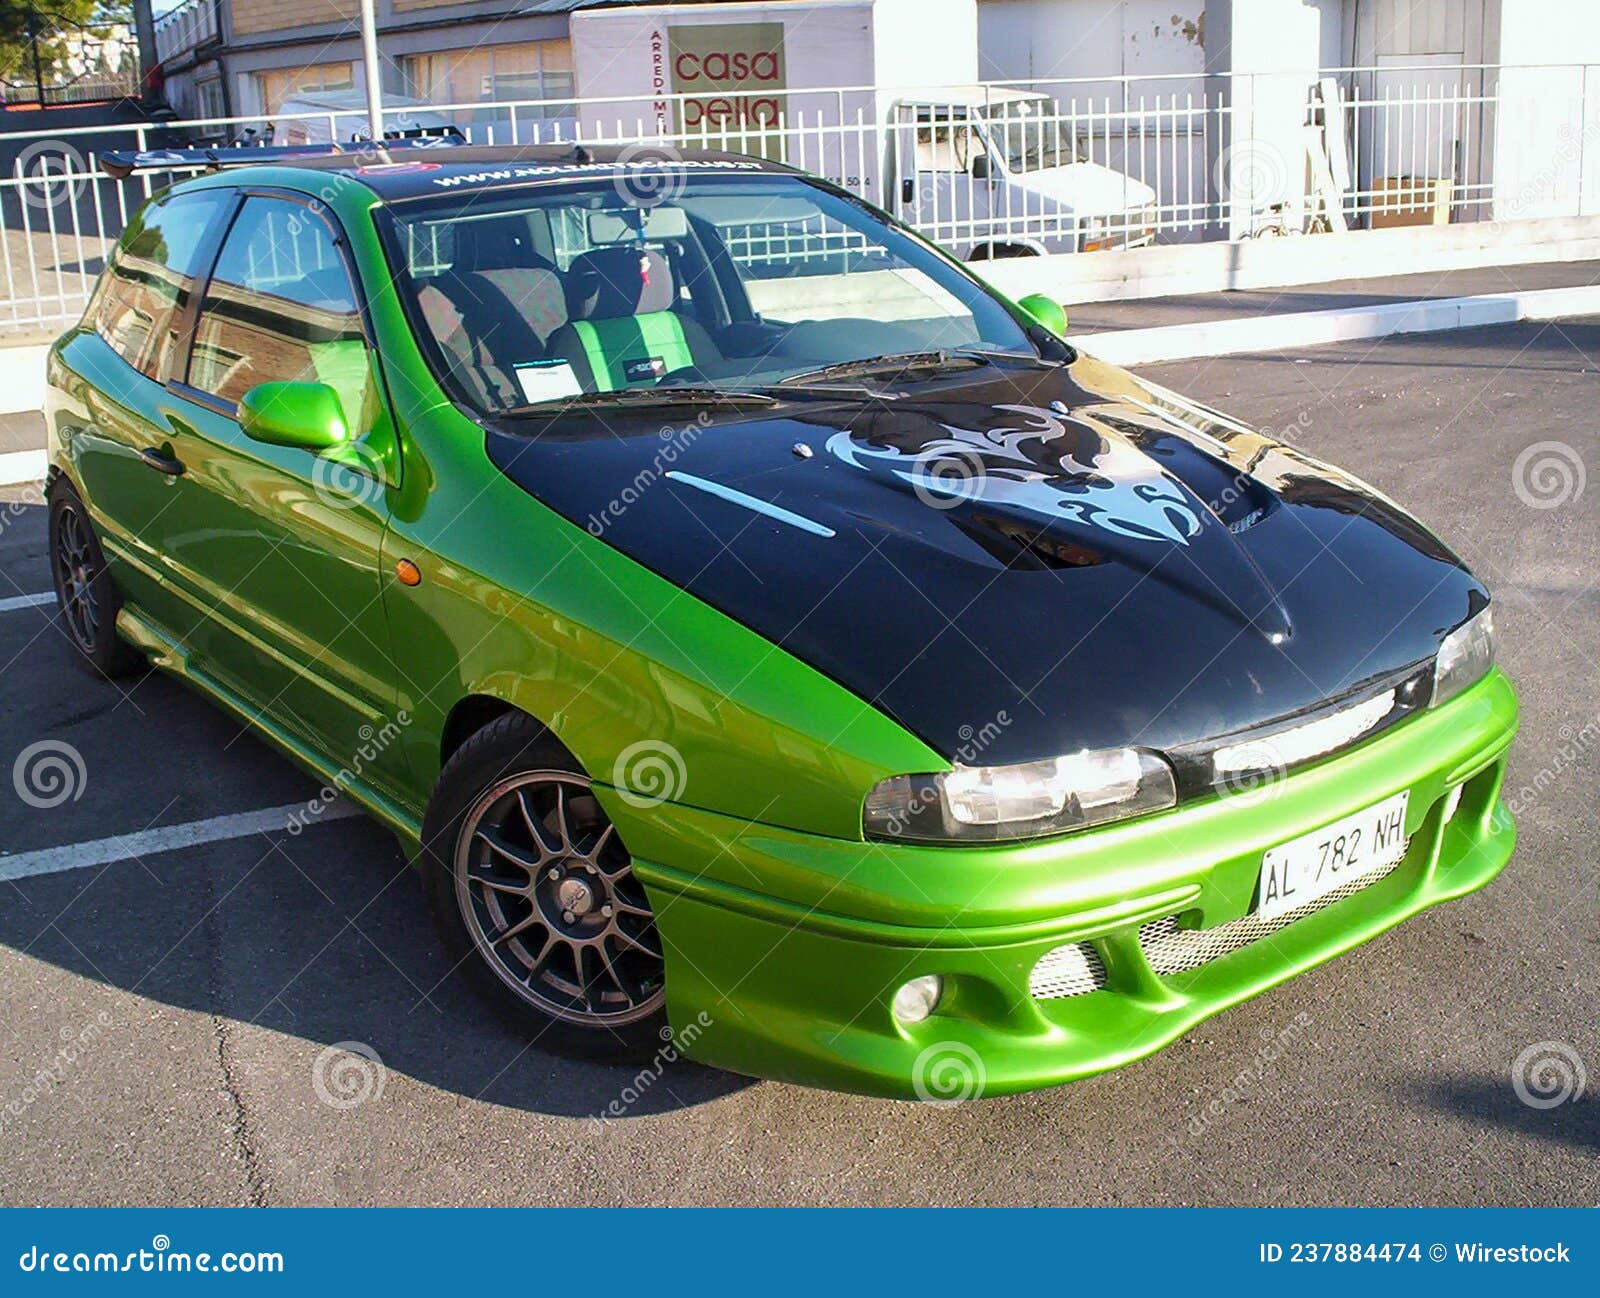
1464 657
992 803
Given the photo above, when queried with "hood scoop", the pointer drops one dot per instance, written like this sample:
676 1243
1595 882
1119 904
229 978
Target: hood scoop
1039 488
1025 548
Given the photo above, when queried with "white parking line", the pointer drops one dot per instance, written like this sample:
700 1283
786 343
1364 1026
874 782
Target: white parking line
165 838
27 601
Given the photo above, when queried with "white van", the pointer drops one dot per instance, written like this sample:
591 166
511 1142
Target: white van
994 172
340 116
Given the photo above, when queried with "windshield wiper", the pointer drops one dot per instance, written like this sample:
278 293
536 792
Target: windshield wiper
895 363
623 398
928 362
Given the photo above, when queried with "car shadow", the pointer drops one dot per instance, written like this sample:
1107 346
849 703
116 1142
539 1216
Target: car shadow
1493 1102
324 936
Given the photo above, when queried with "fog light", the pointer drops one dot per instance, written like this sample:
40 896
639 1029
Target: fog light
917 999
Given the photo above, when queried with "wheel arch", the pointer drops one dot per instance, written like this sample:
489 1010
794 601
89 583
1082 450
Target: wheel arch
472 712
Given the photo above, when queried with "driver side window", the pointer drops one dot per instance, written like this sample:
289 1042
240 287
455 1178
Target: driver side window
280 306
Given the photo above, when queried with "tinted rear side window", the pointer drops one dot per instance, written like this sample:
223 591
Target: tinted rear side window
151 277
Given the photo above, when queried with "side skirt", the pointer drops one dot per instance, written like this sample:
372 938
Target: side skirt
172 657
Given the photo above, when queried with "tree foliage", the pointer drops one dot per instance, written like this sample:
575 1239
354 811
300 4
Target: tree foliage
55 21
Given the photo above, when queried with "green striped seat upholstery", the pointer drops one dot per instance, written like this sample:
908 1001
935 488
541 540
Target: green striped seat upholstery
623 331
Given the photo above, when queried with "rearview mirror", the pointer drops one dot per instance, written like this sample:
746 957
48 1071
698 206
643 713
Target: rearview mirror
305 415
980 166
1045 311
658 223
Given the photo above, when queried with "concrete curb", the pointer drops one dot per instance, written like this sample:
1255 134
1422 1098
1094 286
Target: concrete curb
1312 328
22 378
21 466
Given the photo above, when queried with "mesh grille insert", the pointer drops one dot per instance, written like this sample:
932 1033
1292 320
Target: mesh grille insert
1076 969
1069 970
1173 950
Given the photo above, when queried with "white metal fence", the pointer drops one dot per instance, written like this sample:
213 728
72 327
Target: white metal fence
1003 169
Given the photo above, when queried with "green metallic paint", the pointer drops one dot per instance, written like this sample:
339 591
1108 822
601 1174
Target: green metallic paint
307 416
780 923
796 972
1045 311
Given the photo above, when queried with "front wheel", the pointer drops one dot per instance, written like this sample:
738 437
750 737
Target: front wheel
535 895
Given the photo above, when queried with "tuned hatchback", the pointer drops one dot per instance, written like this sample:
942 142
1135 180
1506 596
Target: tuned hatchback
755 626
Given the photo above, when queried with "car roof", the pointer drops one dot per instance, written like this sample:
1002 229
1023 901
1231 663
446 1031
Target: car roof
413 172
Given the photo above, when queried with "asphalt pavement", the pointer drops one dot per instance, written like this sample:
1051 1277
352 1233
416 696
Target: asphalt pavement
269 1018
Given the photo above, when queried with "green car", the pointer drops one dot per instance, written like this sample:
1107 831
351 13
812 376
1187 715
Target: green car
764 637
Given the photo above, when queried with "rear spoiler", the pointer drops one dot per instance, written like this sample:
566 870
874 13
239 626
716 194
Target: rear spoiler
121 163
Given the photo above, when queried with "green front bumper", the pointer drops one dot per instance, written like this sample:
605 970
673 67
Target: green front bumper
783 949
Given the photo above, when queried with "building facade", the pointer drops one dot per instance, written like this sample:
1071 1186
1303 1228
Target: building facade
244 58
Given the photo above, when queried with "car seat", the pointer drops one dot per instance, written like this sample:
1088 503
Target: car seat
623 330
495 308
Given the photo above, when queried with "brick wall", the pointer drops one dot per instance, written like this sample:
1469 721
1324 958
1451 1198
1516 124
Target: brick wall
252 16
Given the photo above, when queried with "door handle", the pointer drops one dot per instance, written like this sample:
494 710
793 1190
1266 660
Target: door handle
908 189
162 462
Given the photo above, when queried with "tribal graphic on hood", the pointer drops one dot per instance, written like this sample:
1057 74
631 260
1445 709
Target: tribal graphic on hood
1077 472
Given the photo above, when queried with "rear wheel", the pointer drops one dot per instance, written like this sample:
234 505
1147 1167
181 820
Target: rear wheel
535 895
87 597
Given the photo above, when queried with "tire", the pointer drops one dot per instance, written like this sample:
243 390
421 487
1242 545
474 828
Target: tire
534 895
87 597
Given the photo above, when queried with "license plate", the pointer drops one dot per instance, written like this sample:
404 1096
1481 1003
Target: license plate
1297 873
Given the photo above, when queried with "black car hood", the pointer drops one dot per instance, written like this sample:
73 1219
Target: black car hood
1029 560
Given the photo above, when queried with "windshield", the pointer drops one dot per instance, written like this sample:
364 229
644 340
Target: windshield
729 282
1031 134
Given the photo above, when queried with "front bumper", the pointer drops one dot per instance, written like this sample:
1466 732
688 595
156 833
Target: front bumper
783 949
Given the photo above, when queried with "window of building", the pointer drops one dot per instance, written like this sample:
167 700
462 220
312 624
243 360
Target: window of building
495 74
139 304
280 307
276 86
208 99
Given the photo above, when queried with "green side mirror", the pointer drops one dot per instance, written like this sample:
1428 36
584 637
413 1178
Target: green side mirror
306 415
1046 311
